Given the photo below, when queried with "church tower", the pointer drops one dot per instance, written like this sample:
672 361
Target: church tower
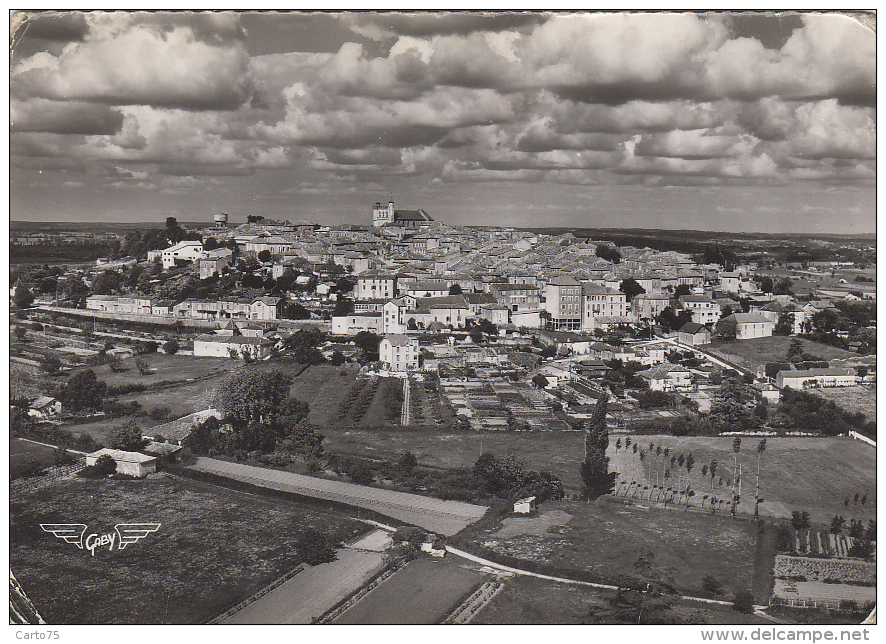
383 216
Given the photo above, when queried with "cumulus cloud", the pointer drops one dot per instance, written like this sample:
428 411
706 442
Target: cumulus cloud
125 63
39 115
650 100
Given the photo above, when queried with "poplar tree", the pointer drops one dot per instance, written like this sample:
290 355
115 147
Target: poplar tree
595 466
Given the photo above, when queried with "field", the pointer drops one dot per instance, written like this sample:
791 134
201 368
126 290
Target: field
558 452
758 351
526 600
796 473
312 592
607 539
215 547
861 398
163 367
20 451
424 591
814 474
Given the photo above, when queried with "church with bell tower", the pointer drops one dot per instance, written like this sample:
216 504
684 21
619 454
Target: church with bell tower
385 216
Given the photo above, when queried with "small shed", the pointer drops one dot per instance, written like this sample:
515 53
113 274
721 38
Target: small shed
525 506
131 463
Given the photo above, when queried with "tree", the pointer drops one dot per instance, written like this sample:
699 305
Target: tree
595 466
360 474
61 456
761 447
743 601
83 391
631 288
315 547
837 524
250 396
407 463
337 358
127 437
766 284
785 324
732 408
105 465
20 333
711 585
795 350
115 362
783 287
23 297
107 282
608 252
649 603
343 306
540 381
142 365
265 256
690 461
682 289
171 347
455 289
800 520
368 343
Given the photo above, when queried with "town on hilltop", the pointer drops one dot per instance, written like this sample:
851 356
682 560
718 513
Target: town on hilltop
459 369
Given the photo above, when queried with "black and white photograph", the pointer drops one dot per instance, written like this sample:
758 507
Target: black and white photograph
443 317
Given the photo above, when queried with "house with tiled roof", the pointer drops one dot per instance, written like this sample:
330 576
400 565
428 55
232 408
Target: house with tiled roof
694 334
399 352
667 377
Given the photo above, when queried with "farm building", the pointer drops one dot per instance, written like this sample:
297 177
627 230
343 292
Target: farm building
131 463
802 378
44 407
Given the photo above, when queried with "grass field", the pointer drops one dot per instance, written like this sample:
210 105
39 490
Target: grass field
424 591
814 474
163 367
558 452
20 451
608 538
861 398
323 387
215 547
526 600
758 351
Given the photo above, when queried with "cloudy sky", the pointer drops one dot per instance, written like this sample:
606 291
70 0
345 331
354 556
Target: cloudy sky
711 122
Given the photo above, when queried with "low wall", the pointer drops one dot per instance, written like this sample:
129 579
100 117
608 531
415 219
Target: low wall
821 569
863 439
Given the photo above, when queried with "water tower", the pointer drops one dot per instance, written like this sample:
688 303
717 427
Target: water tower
221 220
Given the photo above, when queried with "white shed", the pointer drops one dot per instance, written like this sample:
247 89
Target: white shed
525 506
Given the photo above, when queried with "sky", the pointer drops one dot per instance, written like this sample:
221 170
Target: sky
724 122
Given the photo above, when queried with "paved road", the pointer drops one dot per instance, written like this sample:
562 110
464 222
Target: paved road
313 591
442 517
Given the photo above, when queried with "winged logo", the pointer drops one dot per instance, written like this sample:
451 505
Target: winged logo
133 532
67 532
126 534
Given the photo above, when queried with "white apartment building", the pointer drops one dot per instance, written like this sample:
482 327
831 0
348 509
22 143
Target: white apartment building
704 310
399 352
189 251
563 302
602 306
375 284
